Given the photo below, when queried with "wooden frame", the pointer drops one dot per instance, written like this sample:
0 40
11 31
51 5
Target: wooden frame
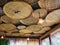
50 40
45 39
54 35
48 33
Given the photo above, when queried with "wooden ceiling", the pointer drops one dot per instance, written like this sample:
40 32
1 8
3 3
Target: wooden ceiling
32 25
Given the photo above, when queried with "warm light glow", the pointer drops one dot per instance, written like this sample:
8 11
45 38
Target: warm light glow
27 38
2 37
40 21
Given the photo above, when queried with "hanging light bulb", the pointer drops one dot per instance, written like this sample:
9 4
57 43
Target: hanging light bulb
27 38
2 37
40 21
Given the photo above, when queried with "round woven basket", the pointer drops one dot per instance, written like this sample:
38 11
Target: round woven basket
53 17
49 4
43 30
34 28
21 27
25 31
12 31
9 20
5 27
29 21
39 13
17 10
32 35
